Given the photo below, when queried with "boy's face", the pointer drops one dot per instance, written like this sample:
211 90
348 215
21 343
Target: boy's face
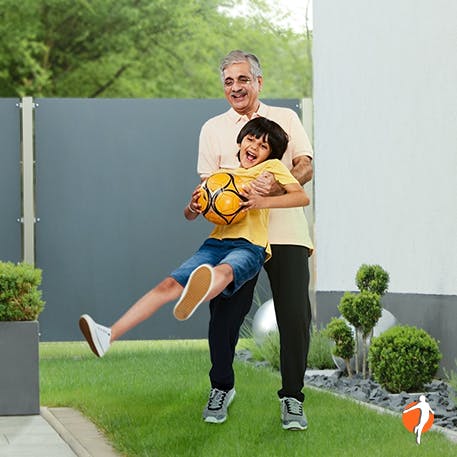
253 150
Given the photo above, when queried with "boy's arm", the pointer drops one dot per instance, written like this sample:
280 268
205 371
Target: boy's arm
295 196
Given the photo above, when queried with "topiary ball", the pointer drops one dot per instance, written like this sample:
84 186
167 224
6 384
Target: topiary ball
404 358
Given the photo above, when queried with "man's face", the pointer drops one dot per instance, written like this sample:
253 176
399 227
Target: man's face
241 88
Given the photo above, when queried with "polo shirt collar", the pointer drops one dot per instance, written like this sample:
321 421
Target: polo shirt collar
236 117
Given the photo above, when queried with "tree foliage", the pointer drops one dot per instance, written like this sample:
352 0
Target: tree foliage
141 48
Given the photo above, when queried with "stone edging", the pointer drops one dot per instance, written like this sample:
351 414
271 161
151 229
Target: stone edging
78 432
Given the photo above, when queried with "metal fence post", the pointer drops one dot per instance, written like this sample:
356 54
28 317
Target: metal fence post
28 188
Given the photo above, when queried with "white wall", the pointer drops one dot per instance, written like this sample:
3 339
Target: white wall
385 136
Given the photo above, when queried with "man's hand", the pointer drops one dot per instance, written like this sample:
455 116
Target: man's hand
266 185
254 199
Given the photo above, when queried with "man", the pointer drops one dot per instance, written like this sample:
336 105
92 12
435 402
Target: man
287 270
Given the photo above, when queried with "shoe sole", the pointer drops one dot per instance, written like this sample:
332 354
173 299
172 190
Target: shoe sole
195 292
215 420
85 329
294 426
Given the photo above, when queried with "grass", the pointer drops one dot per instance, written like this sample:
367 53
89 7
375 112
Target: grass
147 397
319 355
452 380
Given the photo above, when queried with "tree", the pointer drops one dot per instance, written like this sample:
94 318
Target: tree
139 48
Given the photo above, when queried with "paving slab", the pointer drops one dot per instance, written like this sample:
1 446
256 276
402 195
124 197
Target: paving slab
31 436
55 432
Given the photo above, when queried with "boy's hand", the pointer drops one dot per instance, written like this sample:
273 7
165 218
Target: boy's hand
194 205
265 184
193 209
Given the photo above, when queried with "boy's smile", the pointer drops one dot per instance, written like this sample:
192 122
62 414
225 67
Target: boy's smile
253 151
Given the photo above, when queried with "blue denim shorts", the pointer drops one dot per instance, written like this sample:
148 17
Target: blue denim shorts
245 258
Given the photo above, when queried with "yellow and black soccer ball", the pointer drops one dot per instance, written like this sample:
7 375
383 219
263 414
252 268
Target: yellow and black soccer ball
220 198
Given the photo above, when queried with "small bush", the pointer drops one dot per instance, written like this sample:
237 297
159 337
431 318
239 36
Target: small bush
319 355
269 350
404 358
339 331
452 380
20 299
320 350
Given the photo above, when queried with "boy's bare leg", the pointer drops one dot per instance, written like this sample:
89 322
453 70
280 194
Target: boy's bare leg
100 337
223 276
167 290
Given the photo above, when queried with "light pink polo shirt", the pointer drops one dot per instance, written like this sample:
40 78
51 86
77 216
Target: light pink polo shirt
218 149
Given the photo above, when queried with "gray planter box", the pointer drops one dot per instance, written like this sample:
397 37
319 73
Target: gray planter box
19 368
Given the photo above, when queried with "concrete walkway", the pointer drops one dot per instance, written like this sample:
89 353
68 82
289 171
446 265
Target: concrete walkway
55 432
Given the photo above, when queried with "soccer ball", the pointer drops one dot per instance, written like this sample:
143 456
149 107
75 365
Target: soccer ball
220 199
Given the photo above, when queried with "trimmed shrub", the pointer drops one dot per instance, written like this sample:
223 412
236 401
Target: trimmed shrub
372 278
339 331
20 299
363 311
404 358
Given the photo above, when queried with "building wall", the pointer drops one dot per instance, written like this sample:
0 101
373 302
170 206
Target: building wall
385 122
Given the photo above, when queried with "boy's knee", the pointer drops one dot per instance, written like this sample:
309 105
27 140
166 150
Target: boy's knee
225 270
168 284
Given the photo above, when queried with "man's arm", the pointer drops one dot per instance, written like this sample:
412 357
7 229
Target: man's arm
208 161
302 169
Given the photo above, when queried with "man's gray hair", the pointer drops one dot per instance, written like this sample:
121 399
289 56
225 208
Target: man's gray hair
239 57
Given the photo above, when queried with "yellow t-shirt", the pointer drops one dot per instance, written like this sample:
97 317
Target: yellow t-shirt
254 227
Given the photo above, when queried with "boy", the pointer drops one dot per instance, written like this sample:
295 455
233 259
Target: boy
232 254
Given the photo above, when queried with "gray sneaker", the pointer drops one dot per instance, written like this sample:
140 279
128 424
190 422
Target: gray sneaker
218 403
292 415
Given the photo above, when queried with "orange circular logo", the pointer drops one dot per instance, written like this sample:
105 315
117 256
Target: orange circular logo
412 418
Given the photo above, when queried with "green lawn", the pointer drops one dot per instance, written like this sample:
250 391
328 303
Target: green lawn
148 398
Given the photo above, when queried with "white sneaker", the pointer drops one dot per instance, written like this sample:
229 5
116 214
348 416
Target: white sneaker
96 335
195 292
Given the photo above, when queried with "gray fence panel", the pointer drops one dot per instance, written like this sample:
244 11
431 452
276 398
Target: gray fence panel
113 177
10 180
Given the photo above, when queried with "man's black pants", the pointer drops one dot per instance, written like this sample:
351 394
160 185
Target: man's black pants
288 273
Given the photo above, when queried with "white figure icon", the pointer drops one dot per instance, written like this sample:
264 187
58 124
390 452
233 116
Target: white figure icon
425 411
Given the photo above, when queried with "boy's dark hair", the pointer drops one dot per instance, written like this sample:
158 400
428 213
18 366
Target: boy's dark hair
274 135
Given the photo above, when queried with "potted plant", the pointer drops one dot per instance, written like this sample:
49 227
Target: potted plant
20 306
